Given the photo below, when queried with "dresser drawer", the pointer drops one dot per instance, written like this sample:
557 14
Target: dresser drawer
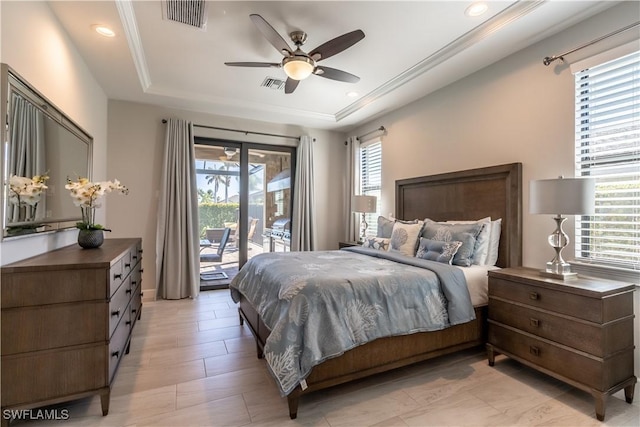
118 304
35 288
127 262
597 373
116 275
135 307
596 339
118 342
560 302
42 375
52 326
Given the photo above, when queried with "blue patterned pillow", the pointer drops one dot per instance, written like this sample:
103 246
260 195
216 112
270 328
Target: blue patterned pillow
435 250
465 233
379 243
385 227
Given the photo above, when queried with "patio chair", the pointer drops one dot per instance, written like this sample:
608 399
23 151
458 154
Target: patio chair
217 257
253 222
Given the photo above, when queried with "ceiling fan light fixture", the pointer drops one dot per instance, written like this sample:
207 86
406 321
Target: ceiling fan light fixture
298 67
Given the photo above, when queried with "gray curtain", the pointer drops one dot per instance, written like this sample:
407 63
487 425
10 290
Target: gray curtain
27 155
303 236
353 172
177 235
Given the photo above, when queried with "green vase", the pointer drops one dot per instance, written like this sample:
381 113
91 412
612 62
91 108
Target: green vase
90 239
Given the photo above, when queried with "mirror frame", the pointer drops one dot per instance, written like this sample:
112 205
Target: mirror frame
10 82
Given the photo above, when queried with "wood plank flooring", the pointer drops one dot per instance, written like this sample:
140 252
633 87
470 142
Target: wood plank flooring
191 364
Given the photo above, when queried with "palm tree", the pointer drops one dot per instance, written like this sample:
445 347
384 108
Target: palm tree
206 196
217 179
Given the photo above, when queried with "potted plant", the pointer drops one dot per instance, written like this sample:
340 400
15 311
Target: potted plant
87 195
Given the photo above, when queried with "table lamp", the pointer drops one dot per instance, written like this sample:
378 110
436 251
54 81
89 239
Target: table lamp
561 196
364 205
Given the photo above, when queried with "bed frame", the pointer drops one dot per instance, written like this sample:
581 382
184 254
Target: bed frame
471 194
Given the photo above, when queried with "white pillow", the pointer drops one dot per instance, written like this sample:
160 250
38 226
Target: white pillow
404 238
483 241
494 242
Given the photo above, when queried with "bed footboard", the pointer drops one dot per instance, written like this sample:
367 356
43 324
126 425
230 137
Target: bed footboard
377 356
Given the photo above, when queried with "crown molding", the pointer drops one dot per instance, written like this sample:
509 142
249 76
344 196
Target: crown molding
482 31
128 18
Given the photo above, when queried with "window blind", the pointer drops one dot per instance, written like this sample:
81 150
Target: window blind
608 149
371 178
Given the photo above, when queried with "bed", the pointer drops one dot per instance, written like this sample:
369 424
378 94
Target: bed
494 192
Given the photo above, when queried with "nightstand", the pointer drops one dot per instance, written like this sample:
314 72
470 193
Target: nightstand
347 244
578 331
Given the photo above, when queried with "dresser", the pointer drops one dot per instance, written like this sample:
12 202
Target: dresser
578 331
67 317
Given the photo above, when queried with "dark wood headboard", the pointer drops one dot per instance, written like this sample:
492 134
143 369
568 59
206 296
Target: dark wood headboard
494 191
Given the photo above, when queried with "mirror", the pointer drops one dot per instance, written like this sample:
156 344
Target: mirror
42 148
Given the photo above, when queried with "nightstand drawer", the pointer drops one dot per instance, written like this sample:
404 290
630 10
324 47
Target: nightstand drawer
560 302
595 372
598 340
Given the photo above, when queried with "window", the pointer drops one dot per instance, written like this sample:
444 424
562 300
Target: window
371 178
608 149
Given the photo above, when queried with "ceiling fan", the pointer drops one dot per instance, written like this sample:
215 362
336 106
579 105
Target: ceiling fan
297 64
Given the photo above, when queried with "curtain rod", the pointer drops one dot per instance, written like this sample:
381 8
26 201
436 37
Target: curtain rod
380 129
549 59
246 132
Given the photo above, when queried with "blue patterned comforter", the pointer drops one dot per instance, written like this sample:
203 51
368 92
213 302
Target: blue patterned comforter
320 304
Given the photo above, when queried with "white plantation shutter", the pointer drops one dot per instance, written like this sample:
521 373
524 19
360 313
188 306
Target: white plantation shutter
608 149
371 178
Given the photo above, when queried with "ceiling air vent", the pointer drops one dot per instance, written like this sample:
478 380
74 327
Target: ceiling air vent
273 83
189 12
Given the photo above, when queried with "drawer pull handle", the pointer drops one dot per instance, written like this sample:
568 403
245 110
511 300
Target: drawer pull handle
134 282
128 322
117 276
115 312
534 322
141 294
128 265
533 295
133 310
135 257
128 291
142 270
115 353
139 251
534 350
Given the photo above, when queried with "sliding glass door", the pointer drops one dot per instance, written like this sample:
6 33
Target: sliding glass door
245 202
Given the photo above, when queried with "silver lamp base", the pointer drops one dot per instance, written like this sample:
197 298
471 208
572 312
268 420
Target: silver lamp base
557 268
559 271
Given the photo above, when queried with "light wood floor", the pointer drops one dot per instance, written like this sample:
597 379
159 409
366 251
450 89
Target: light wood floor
191 364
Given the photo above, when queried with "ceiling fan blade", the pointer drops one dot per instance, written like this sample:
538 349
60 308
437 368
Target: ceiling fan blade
271 35
253 64
336 45
290 85
333 74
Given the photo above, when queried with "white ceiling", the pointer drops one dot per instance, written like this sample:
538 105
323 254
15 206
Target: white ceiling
410 49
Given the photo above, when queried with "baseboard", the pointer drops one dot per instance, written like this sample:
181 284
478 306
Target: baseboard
149 295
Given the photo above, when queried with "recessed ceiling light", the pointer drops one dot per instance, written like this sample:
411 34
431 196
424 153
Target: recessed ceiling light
352 94
476 9
103 30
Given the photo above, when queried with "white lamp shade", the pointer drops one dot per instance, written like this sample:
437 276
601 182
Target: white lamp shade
562 196
364 204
